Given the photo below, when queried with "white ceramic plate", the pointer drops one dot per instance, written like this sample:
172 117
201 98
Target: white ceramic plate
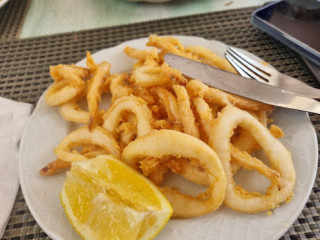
46 128
3 2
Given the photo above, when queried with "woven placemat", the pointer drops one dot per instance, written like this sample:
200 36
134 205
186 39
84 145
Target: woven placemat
12 15
24 75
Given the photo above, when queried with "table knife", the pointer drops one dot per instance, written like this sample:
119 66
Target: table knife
241 86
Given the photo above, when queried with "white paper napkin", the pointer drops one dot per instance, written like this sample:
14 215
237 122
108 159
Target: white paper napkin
13 117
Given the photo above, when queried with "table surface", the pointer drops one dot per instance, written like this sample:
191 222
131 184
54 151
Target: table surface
57 16
35 34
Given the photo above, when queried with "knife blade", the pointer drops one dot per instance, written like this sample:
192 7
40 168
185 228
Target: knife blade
241 86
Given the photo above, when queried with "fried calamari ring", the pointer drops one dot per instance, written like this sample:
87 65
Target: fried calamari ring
95 87
69 81
149 76
186 114
168 100
61 92
168 44
72 112
74 74
140 55
143 93
133 104
155 168
244 141
196 88
164 143
82 136
91 150
208 57
127 130
206 117
279 157
147 57
175 76
118 88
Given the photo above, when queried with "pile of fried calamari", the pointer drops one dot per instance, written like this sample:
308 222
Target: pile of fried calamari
160 122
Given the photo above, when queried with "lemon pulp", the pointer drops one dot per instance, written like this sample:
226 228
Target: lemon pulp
106 199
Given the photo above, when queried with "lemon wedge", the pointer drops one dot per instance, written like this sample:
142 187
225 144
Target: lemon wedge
105 199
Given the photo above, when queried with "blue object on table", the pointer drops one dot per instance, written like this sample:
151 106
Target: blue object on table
294 25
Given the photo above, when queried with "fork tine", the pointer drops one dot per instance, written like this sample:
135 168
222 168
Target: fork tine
237 64
249 60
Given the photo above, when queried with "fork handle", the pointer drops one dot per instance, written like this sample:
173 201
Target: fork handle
296 86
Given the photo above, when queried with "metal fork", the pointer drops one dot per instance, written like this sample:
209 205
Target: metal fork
248 67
